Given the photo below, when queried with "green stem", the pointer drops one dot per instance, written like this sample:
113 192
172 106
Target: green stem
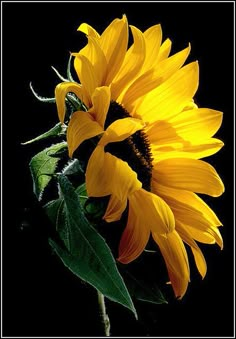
104 316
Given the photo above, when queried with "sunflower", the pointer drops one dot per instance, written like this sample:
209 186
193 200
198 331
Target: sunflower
150 139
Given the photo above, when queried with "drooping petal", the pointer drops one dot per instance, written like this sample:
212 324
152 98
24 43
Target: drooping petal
81 127
200 232
107 174
131 66
189 174
197 253
114 209
135 236
152 211
186 201
114 42
101 102
120 130
169 99
61 91
176 259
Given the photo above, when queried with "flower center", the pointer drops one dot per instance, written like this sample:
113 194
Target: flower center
135 150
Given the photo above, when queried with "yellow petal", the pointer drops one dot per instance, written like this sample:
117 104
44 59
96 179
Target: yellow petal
120 130
181 148
93 52
88 30
140 87
189 174
114 209
197 253
168 99
107 174
176 259
131 66
200 232
81 127
114 42
169 66
134 238
186 201
101 102
153 37
60 93
153 211
197 124
87 75
164 51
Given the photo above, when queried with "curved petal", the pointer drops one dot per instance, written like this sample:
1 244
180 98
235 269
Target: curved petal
153 211
81 127
153 38
187 201
197 124
101 102
107 174
86 74
188 174
200 232
131 66
197 253
93 52
120 130
134 238
169 66
181 148
60 94
114 209
176 259
114 42
169 99
164 51
88 30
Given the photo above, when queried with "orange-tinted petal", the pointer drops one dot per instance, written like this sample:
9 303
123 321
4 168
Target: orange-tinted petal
81 127
107 174
135 236
176 259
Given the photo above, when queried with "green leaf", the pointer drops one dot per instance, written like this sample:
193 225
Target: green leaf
56 212
87 254
53 132
42 167
72 167
142 290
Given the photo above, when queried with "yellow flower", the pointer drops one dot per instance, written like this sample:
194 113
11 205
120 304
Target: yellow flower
151 136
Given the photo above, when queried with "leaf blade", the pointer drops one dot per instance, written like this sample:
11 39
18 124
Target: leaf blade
43 166
94 261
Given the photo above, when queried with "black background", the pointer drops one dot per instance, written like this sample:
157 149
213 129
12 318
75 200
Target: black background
40 297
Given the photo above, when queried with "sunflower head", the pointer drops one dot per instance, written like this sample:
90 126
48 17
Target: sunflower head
147 140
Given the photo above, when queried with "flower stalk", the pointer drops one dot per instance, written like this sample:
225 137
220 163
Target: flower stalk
103 314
